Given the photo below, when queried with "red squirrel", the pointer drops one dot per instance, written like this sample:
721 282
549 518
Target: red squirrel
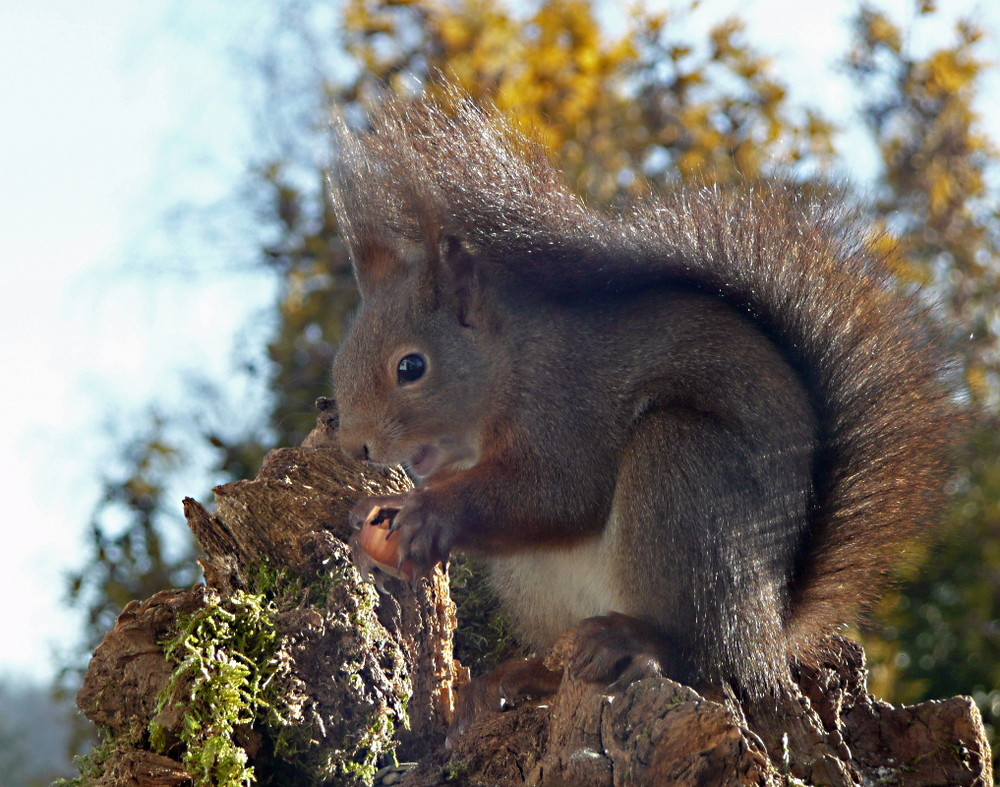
701 429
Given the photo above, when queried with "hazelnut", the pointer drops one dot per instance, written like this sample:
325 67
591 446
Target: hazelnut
382 545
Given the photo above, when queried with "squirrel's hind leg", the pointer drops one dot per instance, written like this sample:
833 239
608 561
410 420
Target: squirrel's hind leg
716 509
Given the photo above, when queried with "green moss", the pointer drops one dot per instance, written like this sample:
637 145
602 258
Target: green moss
91 765
289 589
456 771
484 637
241 661
225 663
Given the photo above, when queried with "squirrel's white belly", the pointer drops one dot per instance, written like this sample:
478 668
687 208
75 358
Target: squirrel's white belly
549 590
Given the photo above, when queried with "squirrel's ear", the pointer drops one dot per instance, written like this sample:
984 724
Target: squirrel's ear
462 277
373 261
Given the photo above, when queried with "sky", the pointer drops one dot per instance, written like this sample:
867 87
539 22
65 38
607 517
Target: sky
110 118
111 114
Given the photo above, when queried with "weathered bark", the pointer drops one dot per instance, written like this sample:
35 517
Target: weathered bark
343 658
658 732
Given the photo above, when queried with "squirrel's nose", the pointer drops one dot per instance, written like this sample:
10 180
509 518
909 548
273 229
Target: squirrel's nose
355 450
352 441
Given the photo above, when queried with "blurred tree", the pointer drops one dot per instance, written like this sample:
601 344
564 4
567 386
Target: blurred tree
623 113
939 634
130 563
139 543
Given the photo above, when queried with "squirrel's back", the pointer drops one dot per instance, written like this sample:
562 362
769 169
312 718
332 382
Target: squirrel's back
799 261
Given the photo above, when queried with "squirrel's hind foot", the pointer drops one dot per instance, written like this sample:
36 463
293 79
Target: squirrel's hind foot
617 650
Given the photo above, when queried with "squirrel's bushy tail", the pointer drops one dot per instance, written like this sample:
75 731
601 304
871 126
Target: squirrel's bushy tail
799 260
871 357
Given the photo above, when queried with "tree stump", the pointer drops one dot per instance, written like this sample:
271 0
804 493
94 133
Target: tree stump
286 667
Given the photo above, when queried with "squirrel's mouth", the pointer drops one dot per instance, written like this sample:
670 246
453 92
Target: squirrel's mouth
424 461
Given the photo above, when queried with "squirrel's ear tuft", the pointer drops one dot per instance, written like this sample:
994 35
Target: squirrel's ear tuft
358 191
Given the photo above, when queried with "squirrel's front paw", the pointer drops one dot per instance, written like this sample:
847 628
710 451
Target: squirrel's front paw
402 533
426 537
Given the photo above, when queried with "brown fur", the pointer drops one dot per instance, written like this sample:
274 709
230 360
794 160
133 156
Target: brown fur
720 396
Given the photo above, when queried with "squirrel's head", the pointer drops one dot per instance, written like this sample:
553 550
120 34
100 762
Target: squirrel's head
418 198
415 377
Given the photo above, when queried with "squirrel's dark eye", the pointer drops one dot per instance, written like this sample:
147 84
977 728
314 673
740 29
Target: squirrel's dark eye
411 368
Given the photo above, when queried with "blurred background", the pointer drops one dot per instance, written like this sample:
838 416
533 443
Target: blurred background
173 288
